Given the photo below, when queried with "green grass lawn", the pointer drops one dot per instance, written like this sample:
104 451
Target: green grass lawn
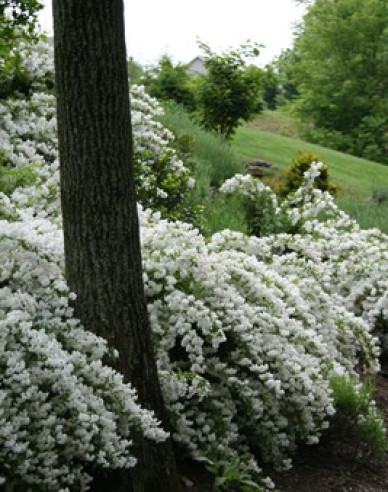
214 161
357 179
352 174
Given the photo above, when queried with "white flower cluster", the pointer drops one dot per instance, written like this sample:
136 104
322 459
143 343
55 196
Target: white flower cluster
28 135
30 62
248 331
246 185
355 260
60 407
162 180
246 349
37 60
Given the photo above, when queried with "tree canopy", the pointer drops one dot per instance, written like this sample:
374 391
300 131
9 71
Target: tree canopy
169 81
230 91
341 70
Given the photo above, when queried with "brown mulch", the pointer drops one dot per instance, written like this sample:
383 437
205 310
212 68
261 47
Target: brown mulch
337 464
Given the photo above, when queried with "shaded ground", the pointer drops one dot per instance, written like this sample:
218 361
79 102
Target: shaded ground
337 464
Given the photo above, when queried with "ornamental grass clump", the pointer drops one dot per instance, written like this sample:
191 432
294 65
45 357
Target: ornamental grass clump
357 413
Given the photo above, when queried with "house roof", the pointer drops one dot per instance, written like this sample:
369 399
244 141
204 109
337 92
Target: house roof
196 66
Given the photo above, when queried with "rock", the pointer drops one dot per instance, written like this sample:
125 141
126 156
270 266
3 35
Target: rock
257 163
256 172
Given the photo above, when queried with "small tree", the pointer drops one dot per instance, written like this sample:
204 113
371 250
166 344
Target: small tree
230 91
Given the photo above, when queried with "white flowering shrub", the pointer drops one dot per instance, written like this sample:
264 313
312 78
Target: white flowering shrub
163 182
263 214
60 408
251 346
27 67
248 331
28 137
355 260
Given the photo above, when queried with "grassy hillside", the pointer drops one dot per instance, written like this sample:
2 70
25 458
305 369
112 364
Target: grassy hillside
362 184
356 175
214 161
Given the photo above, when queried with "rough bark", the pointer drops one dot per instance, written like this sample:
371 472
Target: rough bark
101 232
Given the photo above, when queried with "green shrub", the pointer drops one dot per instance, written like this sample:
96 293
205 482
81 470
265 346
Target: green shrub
371 139
368 140
293 177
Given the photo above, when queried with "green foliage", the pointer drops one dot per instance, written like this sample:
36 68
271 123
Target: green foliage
230 91
169 82
354 403
135 71
284 65
212 158
18 23
168 191
260 215
229 477
271 87
213 161
17 15
293 176
224 212
12 178
356 178
370 138
341 73
14 79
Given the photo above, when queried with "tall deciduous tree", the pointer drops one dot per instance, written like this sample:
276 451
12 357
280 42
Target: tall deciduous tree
342 67
101 231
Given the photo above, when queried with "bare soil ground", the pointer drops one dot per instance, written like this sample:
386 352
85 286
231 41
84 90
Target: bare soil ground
339 463
276 123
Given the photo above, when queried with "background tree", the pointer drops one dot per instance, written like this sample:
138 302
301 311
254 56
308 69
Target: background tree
169 82
101 232
230 91
342 74
135 71
284 66
271 87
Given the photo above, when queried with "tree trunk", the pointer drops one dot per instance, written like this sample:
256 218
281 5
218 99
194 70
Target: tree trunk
102 250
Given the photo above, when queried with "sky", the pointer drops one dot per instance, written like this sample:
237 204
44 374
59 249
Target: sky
155 27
